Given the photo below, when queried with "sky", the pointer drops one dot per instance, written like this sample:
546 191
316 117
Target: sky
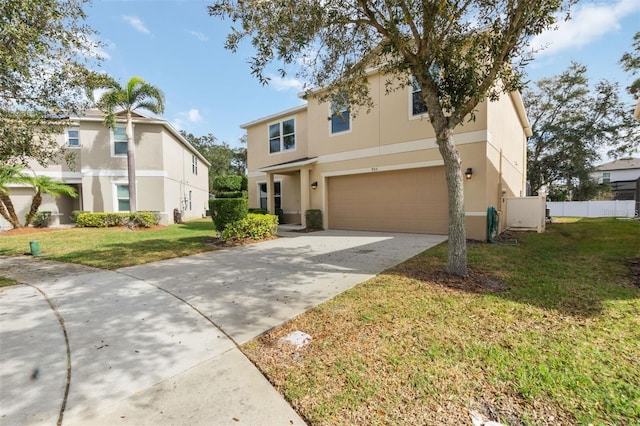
176 46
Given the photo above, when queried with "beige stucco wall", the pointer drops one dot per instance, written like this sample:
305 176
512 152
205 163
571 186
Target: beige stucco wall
388 138
164 175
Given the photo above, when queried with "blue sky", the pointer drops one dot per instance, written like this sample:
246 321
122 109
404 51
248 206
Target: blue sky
177 46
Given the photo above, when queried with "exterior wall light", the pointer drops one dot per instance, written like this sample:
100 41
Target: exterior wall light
314 185
468 173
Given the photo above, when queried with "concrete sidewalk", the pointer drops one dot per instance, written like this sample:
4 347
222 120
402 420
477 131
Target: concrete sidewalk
156 343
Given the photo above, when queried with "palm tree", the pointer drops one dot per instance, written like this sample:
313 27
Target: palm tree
46 185
9 175
136 94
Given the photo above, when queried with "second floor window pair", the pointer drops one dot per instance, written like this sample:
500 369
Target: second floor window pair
282 136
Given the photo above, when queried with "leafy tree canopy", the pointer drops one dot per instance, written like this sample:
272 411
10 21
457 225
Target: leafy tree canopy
45 49
630 62
224 159
573 124
456 50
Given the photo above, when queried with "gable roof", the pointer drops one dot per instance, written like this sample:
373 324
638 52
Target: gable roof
620 164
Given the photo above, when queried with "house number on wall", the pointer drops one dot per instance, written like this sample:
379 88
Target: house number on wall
374 169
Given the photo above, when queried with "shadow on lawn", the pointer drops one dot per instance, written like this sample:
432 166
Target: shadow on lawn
119 255
578 279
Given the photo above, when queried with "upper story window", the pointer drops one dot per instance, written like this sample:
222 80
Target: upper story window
418 106
119 141
194 164
73 138
606 177
340 118
282 136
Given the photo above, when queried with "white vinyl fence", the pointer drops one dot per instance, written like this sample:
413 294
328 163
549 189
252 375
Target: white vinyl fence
617 208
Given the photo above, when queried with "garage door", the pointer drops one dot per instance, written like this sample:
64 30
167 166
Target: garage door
413 200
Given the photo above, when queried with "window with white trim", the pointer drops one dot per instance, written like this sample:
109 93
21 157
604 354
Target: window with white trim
194 164
73 138
119 141
282 136
418 107
340 118
122 197
606 177
190 196
262 189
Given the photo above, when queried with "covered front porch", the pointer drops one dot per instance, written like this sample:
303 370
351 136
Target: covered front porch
287 189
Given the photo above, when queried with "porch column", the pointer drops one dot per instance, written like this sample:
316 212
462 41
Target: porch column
270 194
304 195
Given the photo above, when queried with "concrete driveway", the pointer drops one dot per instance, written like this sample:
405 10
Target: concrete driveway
157 343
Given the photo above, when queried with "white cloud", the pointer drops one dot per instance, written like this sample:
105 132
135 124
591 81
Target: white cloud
199 35
137 24
282 84
185 117
588 22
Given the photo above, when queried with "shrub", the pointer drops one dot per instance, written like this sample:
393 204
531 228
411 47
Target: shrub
258 211
314 218
73 217
227 183
227 210
143 219
230 194
252 227
41 219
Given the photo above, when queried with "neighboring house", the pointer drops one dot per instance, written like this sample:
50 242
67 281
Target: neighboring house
170 173
382 170
623 175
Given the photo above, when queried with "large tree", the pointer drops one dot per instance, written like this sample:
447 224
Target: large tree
573 125
117 99
630 62
459 52
45 48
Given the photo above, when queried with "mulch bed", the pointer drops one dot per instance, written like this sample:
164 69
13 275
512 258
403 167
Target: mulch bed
32 230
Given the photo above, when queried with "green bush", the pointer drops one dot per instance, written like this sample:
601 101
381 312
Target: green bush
258 211
73 217
41 219
227 210
252 227
314 218
227 183
143 219
230 194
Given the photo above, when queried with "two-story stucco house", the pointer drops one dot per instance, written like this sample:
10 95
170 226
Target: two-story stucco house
382 170
622 174
170 173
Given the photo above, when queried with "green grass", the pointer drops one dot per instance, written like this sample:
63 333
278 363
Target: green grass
112 248
559 345
6 282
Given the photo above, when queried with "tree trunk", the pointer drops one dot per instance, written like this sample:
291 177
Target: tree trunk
457 258
11 211
131 165
35 205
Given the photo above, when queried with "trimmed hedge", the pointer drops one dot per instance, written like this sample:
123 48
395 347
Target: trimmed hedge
230 194
73 217
142 219
227 210
314 218
258 211
227 183
252 227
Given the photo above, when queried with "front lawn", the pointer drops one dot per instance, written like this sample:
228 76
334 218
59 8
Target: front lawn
112 248
543 332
